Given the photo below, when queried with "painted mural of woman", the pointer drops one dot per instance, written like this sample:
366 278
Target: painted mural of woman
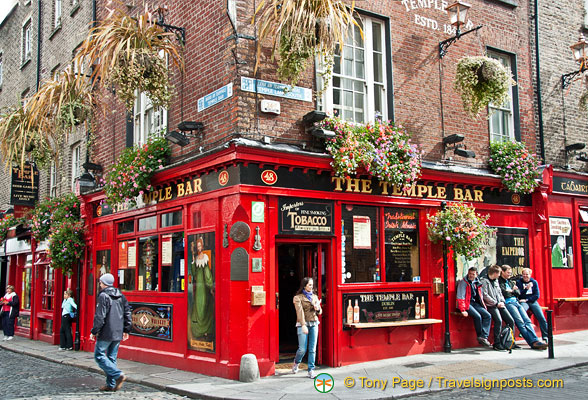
203 289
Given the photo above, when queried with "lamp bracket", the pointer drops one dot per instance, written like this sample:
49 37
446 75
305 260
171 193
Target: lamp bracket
444 45
179 31
567 79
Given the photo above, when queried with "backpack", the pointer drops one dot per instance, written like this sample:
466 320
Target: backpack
506 339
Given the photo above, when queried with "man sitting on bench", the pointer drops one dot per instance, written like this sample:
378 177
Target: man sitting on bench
529 299
470 302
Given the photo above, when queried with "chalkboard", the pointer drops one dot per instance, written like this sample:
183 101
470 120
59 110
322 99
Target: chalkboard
386 306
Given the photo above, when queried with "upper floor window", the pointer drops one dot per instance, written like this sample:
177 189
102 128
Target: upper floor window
56 13
503 117
357 91
148 121
1 65
76 163
53 180
27 31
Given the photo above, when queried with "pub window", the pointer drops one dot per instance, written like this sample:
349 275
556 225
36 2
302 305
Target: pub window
401 238
360 248
47 291
148 263
148 223
127 264
25 290
126 227
171 219
172 262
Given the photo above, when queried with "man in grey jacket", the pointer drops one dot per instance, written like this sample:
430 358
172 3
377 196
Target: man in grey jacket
494 301
112 323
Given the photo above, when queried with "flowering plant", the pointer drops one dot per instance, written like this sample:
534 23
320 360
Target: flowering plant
517 167
66 244
50 212
461 228
382 149
131 175
481 81
6 223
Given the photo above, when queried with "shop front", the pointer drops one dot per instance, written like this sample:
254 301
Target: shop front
211 258
567 248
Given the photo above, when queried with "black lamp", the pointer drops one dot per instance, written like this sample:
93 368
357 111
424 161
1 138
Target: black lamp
458 12
572 150
182 138
458 149
85 183
580 52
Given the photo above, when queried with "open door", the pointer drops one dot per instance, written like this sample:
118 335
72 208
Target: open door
296 260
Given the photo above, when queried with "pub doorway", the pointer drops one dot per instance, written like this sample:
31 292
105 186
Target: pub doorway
295 261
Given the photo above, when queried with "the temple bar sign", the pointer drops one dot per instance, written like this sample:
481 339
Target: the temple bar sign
24 189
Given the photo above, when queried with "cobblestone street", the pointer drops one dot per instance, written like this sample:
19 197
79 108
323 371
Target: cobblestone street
25 377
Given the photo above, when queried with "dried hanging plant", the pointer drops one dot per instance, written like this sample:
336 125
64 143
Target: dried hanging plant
300 30
132 53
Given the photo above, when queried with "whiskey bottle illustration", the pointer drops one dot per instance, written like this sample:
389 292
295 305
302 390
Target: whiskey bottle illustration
356 313
417 309
349 313
423 308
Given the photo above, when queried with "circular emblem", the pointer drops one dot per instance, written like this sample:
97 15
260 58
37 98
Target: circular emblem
99 211
223 178
269 177
515 198
324 383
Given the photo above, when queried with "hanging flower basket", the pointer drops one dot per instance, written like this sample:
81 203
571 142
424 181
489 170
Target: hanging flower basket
300 30
518 168
8 222
51 212
131 175
382 150
464 230
481 81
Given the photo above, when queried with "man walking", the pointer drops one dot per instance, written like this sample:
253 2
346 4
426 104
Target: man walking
112 323
470 301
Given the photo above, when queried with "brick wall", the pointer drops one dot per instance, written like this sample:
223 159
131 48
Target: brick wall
57 46
560 24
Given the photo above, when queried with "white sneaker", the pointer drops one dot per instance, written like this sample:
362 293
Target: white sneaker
295 368
5 338
10 337
312 374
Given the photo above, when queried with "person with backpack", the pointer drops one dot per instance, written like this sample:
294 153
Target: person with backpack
494 301
112 324
10 307
470 301
510 291
68 312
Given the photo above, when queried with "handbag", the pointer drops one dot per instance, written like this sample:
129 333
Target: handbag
74 314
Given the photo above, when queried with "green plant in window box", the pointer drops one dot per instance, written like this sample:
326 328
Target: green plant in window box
481 81
8 222
131 175
518 168
381 149
300 30
464 230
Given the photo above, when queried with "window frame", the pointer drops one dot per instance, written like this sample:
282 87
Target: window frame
1 68
57 13
26 40
515 134
141 109
53 174
76 165
325 103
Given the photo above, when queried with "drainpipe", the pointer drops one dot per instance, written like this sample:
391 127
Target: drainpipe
39 29
539 103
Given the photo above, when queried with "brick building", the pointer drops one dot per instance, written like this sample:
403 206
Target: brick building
37 40
251 204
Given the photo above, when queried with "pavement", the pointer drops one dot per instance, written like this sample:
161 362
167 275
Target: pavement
389 378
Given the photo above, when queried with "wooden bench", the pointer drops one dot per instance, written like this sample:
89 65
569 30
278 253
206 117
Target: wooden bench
355 328
576 301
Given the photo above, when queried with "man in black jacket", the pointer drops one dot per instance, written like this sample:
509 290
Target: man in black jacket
112 323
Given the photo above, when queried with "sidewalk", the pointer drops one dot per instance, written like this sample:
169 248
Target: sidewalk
570 349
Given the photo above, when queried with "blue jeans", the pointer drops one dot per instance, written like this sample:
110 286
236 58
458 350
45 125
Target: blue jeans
482 319
522 322
303 341
538 313
105 354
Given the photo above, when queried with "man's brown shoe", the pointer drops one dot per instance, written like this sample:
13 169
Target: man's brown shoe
106 389
119 382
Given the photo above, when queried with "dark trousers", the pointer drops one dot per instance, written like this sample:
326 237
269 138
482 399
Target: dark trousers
7 324
65 339
499 315
481 318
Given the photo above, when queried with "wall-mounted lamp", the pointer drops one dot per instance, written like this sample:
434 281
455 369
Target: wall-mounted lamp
316 116
572 150
458 12
182 138
580 52
85 183
458 149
